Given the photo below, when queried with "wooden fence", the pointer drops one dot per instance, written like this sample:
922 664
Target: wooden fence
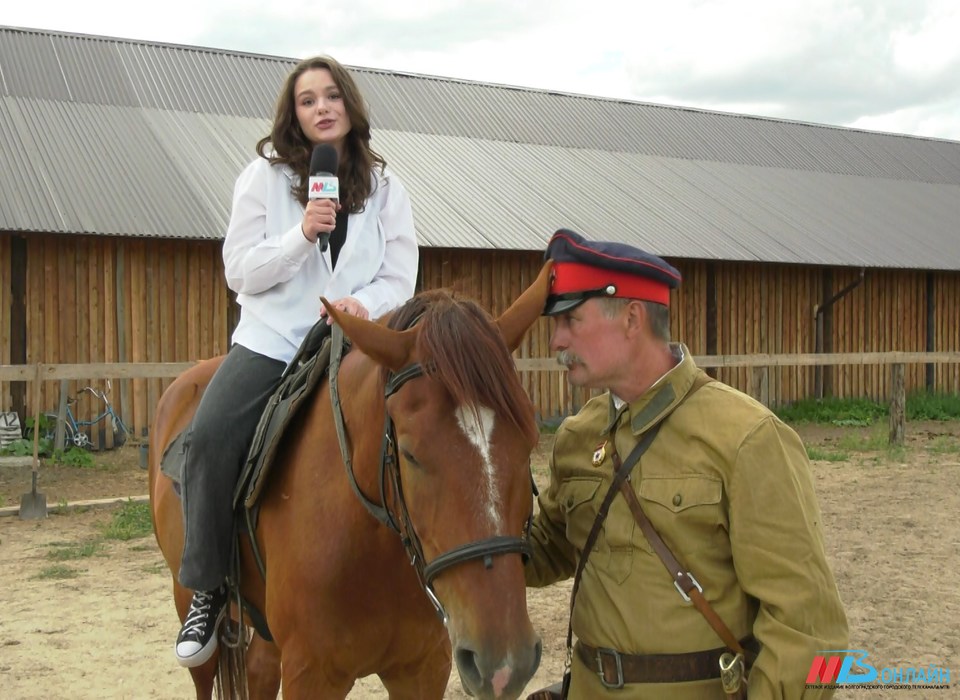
108 299
759 367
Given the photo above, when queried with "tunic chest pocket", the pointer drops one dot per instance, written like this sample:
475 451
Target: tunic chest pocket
576 501
685 510
679 494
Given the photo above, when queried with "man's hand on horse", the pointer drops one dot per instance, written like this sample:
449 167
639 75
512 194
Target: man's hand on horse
347 305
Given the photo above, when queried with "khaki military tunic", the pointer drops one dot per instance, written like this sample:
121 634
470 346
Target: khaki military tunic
728 486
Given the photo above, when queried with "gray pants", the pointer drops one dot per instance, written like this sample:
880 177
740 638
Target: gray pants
216 449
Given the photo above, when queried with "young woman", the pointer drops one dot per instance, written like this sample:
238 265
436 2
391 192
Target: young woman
278 271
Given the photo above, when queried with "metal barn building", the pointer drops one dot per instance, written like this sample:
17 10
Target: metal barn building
119 159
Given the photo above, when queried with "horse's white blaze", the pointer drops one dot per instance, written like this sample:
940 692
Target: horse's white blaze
477 425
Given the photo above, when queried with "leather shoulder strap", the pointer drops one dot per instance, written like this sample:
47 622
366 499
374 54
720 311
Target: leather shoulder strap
685 582
682 579
620 477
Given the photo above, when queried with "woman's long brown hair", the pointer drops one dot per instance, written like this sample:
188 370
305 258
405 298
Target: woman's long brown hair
291 147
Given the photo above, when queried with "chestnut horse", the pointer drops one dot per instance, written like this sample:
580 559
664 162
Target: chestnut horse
432 393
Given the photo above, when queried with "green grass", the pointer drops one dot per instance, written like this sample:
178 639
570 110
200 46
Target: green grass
57 572
846 412
75 457
130 522
944 444
21 448
866 412
75 551
897 453
933 407
875 441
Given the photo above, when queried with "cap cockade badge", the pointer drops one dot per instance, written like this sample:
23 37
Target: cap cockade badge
600 454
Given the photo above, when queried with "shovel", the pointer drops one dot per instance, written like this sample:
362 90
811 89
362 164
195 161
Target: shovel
33 505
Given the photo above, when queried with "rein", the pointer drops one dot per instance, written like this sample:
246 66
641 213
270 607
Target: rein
484 549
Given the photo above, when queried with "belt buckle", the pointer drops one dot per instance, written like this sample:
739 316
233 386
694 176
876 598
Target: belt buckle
603 678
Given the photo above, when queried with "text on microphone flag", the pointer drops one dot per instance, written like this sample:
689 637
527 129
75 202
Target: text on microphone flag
324 187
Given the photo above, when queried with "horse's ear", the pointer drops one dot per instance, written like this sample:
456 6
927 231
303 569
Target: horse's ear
385 346
515 321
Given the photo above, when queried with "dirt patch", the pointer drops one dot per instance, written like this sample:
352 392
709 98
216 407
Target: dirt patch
891 524
113 473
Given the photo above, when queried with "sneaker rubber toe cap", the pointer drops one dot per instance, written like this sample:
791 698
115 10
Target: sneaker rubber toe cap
190 654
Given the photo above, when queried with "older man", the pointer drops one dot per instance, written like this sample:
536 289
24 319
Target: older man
722 483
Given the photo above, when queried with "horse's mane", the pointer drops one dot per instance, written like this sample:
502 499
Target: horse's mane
460 347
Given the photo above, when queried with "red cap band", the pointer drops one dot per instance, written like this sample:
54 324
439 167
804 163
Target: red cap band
570 278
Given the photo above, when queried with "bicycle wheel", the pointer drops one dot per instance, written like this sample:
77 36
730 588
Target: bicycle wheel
119 432
69 433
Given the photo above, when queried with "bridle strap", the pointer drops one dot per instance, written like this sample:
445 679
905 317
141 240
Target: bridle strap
398 379
485 549
378 511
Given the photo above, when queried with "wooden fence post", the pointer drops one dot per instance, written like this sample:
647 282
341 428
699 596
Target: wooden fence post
61 427
36 418
760 384
898 402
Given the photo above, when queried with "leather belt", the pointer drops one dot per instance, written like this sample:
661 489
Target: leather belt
616 669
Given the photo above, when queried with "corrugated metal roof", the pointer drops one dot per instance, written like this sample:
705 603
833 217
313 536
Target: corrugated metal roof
489 194
115 137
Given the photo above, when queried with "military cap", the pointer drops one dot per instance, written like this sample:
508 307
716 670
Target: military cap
583 269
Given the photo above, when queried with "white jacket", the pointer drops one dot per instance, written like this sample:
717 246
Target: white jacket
279 275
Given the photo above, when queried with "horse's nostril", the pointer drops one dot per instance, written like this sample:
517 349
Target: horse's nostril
466 660
479 677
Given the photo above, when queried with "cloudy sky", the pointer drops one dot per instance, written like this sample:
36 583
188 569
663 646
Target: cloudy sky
887 65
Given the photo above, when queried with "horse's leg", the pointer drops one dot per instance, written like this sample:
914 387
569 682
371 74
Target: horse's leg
306 677
168 524
169 532
263 669
426 679
204 678
174 411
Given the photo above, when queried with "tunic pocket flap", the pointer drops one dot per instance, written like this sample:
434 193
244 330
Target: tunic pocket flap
577 491
679 494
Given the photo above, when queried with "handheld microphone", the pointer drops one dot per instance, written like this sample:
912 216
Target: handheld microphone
323 182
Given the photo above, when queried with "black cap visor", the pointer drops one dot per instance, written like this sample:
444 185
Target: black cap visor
562 303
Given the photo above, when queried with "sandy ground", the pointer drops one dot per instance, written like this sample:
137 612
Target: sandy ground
892 532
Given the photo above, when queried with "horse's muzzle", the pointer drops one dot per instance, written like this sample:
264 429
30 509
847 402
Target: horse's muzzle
502 678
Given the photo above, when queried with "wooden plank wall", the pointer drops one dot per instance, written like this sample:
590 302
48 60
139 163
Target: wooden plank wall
6 302
12 312
112 299
108 299
886 312
946 295
765 309
495 279
761 308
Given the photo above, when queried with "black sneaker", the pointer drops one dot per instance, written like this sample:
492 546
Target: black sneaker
198 637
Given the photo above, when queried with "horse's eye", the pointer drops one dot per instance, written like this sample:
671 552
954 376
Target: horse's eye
407 455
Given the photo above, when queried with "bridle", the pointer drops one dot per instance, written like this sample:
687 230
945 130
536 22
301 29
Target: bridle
484 549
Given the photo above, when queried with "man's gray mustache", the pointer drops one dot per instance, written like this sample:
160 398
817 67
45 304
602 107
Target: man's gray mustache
567 358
